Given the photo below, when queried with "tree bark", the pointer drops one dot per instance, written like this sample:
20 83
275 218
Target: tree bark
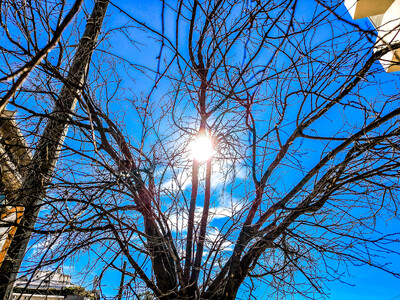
47 152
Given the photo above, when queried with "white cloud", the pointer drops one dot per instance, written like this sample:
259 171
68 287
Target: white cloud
227 208
181 178
217 241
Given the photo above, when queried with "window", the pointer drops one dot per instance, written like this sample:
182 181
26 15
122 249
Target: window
2 199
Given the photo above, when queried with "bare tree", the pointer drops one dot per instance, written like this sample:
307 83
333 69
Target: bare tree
33 186
305 165
20 20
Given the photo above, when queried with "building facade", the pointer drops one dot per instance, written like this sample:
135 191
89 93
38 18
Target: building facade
15 157
385 16
49 285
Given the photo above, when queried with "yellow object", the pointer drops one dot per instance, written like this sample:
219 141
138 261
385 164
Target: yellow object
12 215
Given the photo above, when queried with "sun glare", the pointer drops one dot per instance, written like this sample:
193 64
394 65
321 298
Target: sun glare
202 148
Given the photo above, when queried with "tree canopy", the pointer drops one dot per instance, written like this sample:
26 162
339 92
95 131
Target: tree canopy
303 122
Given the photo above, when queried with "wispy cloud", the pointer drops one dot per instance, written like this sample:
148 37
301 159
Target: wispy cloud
225 209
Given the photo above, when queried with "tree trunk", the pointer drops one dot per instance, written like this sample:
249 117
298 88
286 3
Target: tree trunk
47 152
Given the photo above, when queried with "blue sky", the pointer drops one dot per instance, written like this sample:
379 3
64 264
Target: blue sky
365 282
369 283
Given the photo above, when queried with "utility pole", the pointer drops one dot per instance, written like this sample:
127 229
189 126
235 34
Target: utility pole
43 163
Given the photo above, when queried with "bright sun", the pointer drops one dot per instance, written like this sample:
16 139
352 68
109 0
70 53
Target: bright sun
202 148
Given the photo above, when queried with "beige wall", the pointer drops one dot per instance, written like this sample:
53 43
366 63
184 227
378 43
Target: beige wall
385 16
389 34
365 8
